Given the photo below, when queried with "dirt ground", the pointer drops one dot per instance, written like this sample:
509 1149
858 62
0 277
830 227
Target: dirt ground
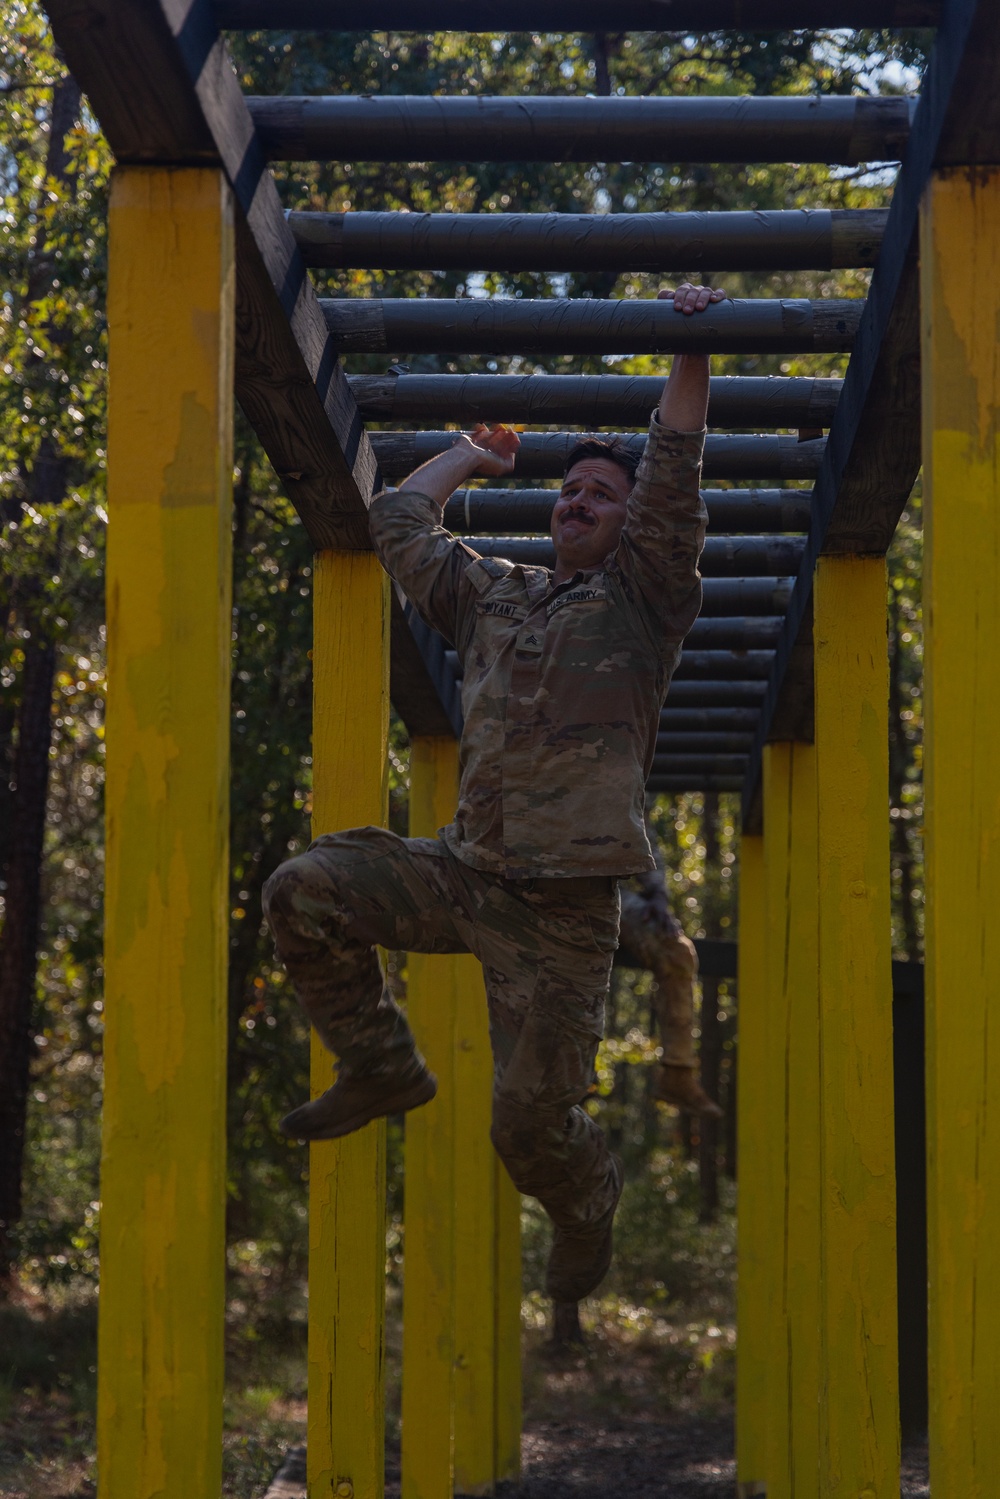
687 1458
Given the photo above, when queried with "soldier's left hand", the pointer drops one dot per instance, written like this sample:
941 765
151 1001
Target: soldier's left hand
688 298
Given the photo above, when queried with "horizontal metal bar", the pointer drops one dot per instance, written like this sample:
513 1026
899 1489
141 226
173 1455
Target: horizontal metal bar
565 325
703 744
383 127
589 400
711 764
698 665
543 455
723 557
734 633
516 511
727 695
685 784
708 720
818 239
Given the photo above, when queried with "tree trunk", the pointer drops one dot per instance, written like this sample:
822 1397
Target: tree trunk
19 943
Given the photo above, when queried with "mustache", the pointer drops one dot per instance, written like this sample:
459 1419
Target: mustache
576 512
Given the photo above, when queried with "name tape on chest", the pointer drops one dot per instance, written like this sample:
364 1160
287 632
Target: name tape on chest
587 593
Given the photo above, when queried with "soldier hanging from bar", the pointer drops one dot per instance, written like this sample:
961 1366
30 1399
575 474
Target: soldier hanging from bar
564 675
650 937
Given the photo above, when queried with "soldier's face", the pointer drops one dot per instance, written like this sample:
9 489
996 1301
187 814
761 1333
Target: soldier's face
588 516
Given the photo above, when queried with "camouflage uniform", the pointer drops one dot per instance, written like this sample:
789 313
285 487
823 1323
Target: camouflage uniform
562 688
654 941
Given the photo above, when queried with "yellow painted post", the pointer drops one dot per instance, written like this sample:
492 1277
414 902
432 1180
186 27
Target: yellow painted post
462 1284
346 1429
960 265
430 1206
170 317
475 1239
756 1218
859 1415
508 1326
790 1130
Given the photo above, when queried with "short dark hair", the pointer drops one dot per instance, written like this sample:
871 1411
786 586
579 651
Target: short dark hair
614 451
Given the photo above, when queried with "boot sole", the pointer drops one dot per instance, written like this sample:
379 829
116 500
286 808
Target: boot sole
397 1103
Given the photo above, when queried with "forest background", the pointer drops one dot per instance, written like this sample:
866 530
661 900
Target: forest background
671 1293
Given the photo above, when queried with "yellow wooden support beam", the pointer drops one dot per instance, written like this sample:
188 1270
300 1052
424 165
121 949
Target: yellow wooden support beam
507 1388
462 1308
432 1001
170 317
859 1415
792 1127
960 266
346 1434
756 1218
475 1239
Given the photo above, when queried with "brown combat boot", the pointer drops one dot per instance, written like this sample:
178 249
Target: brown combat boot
580 1258
681 1086
353 1102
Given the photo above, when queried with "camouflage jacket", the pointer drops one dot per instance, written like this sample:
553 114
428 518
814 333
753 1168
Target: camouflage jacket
562 686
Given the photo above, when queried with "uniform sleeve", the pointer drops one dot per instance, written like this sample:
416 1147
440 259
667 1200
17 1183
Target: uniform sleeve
665 526
428 563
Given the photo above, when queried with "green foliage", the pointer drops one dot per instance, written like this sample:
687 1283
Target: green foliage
670 1302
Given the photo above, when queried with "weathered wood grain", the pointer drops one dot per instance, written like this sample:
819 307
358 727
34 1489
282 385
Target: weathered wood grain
161 83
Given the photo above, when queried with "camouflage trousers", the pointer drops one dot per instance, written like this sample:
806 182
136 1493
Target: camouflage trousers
672 959
546 948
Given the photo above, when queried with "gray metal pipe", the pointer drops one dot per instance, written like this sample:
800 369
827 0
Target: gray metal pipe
733 633
516 511
543 455
801 239
697 665
667 764
589 400
723 557
683 743
708 720
384 127
724 695
566 325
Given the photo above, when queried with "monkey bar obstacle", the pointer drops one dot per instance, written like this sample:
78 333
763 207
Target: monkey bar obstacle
589 400
790 240
559 325
542 455
414 128
780 693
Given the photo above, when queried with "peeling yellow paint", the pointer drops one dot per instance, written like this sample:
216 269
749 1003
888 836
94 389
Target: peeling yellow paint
960 307
170 316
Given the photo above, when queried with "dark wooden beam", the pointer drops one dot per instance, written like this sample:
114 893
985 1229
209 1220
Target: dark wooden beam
160 81
574 16
563 325
543 455
589 400
873 453
790 240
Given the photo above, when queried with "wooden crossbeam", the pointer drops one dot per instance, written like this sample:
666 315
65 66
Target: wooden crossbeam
518 511
161 83
873 454
792 240
589 400
543 455
561 325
